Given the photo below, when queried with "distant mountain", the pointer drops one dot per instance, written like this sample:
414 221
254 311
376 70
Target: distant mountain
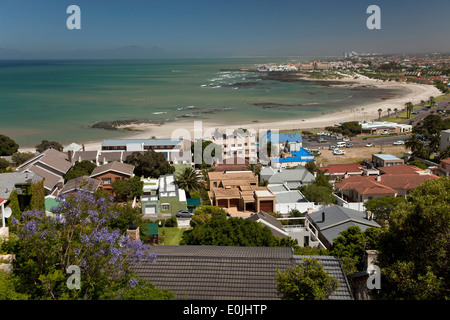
125 52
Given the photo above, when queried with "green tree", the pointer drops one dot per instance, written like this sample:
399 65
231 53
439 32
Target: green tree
80 169
432 101
14 205
417 164
311 166
4 164
409 109
210 149
45 144
320 191
149 164
124 215
128 189
416 145
189 180
382 208
204 213
8 288
223 231
307 281
19 158
38 196
7 146
444 154
45 247
414 251
350 247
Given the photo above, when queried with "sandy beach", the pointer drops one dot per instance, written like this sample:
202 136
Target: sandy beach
368 112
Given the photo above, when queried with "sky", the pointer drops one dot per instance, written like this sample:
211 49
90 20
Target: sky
206 28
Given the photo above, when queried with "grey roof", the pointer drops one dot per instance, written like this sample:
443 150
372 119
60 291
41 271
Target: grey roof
9 180
289 196
333 267
295 177
113 166
227 273
52 158
51 179
270 221
217 272
338 219
85 155
75 184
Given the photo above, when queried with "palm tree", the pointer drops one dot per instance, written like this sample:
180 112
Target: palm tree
432 101
414 144
409 109
445 153
422 103
189 180
389 111
379 114
395 110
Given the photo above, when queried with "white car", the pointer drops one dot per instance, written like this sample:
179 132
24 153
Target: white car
346 140
338 151
369 145
399 142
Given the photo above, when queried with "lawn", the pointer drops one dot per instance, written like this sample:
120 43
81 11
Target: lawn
172 235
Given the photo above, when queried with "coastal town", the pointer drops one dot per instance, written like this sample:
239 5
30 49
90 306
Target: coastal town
226 214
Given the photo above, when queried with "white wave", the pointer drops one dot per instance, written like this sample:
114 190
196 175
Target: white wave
159 112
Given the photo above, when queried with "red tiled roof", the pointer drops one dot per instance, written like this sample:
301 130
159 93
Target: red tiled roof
400 169
364 185
388 183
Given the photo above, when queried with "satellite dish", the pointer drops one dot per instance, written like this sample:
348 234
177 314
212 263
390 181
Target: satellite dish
7 212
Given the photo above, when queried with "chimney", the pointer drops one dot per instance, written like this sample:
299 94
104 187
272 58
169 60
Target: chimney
84 149
371 258
369 215
70 155
378 178
133 233
323 216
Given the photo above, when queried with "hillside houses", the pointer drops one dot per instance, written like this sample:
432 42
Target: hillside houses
51 165
395 181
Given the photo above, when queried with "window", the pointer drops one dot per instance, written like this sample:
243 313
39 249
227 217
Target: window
165 206
215 184
106 180
117 178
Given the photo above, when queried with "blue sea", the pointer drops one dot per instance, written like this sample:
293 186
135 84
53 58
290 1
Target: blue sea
60 100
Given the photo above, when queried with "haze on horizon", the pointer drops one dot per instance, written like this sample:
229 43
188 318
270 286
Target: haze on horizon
211 28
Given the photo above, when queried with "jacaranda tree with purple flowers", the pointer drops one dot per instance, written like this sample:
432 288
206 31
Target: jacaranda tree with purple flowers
79 234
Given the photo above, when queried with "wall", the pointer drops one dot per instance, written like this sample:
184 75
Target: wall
174 204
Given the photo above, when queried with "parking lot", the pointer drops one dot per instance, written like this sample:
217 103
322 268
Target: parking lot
311 142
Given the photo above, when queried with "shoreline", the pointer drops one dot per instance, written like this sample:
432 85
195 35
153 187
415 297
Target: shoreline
368 112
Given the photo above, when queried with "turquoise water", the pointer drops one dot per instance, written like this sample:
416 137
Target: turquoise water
60 100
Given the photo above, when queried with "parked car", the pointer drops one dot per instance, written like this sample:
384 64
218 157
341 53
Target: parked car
338 151
385 132
332 147
346 139
184 214
399 142
369 145
349 145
